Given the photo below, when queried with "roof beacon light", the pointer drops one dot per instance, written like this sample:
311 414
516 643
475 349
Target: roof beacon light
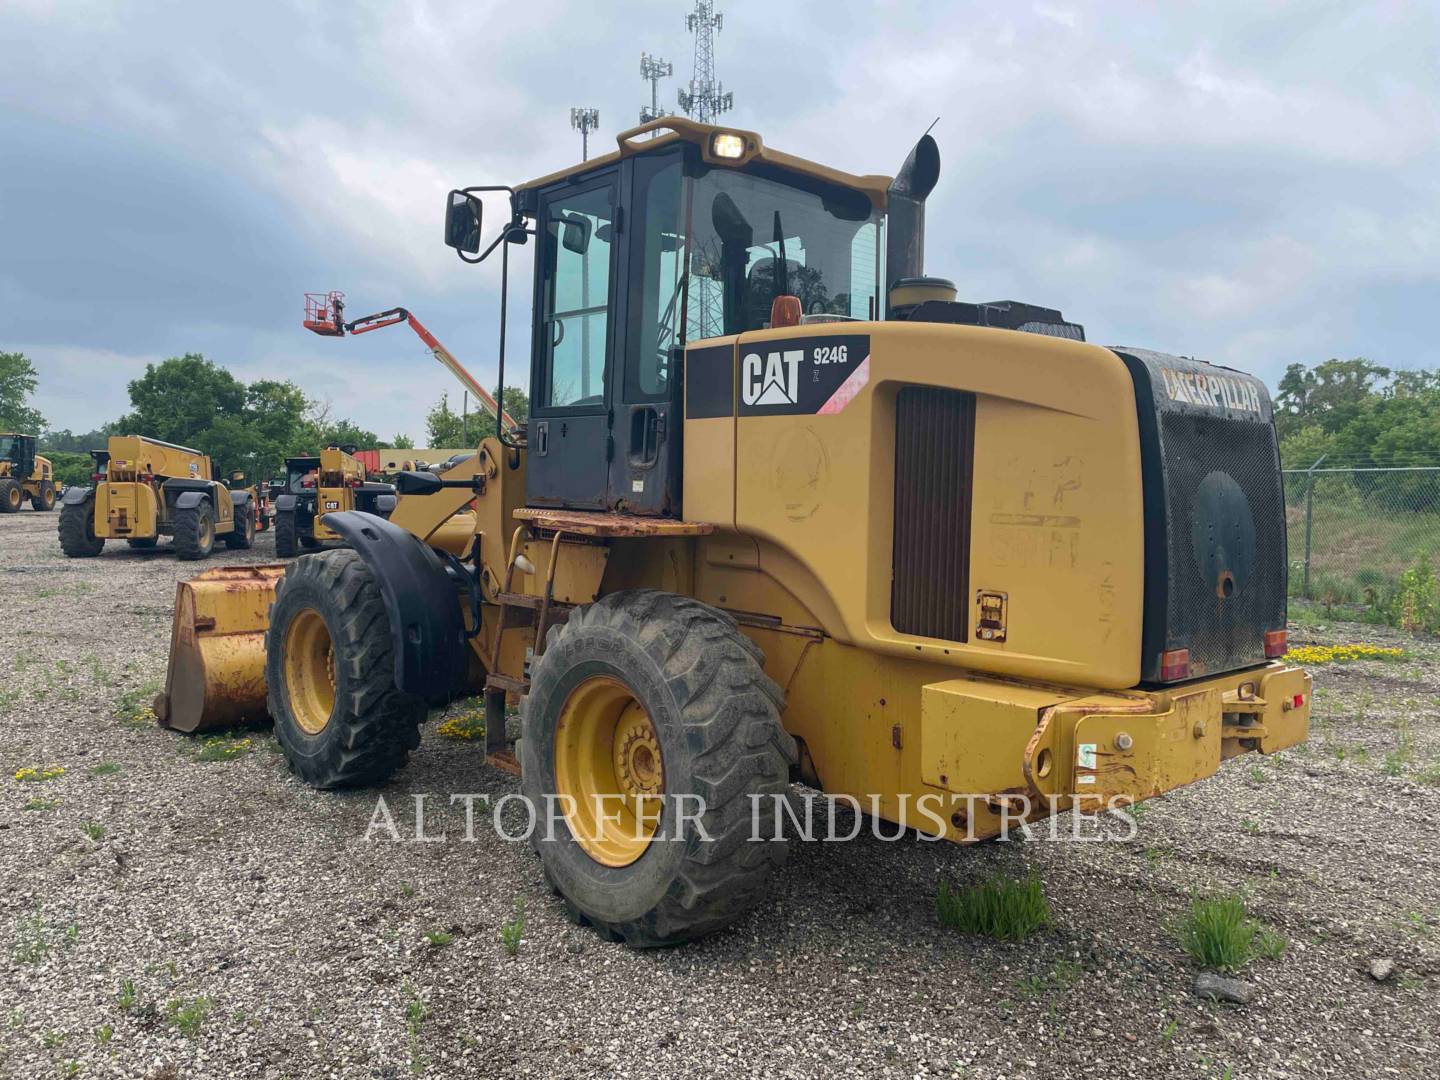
727 145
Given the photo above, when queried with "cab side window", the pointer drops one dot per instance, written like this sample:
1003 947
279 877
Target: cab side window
575 297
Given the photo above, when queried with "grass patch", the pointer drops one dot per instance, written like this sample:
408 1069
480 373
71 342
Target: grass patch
42 804
1001 907
106 768
224 748
128 995
416 1013
1342 654
188 1016
39 774
1429 775
513 932
1218 933
31 944
1062 977
134 710
439 938
467 726
94 830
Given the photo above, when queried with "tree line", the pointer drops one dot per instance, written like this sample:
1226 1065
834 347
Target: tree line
243 427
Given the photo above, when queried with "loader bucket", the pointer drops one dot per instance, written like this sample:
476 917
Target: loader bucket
216 677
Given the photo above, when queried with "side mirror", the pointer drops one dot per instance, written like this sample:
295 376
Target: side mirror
463 214
575 234
417 483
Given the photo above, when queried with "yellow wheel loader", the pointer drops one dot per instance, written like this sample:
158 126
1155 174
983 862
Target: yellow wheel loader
143 489
785 509
24 474
315 487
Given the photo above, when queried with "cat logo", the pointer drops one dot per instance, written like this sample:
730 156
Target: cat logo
775 380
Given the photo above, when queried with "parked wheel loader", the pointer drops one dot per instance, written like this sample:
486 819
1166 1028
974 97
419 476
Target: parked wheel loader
24 474
144 489
316 487
785 509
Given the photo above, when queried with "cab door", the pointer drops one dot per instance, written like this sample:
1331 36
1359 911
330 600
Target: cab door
576 327
645 466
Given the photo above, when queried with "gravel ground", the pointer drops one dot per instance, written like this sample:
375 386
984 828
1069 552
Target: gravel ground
169 916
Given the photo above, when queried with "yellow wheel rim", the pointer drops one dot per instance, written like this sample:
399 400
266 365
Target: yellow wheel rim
310 671
609 773
13 498
207 532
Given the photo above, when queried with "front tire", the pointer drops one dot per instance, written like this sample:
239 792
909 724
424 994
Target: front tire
641 693
242 534
330 672
44 499
194 532
285 534
11 496
77 530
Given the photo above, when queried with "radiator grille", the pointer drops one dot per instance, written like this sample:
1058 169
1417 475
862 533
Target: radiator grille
1226 512
934 450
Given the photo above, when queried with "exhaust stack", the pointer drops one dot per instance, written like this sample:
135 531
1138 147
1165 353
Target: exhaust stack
905 230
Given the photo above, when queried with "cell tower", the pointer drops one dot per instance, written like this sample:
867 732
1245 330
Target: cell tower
706 98
584 121
652 70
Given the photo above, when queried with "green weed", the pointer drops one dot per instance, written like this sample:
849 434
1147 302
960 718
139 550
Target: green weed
512 932
187 1016
1218 933
1001 907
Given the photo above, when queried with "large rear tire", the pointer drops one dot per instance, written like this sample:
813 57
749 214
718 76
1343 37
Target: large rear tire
77 530
647 693
285 534
44 499
11 496
330 673
195 532
242 536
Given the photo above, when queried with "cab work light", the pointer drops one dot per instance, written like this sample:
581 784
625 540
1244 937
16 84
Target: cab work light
726 145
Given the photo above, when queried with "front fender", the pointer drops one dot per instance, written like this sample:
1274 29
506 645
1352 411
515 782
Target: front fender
188 500
74 496
426 626
285 503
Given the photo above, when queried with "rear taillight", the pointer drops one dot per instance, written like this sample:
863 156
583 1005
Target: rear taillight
308 482
97 478
1175 664
1277 643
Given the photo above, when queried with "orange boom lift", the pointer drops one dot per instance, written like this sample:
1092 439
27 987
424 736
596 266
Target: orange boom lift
325 315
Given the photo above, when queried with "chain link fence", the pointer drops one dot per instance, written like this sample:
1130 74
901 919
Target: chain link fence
1364 542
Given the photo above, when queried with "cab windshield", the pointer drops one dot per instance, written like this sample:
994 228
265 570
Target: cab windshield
718 245
9 448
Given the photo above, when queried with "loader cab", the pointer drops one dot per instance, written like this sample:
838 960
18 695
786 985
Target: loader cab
661 244
19 451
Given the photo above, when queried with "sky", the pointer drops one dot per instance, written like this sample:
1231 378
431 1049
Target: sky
1256 184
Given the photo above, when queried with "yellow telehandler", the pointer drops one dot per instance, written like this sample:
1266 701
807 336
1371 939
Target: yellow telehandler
314 488
784 509
143 489
24 474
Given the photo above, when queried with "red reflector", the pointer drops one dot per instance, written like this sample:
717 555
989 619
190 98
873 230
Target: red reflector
1298 700
1277 643
97 478
1175 664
